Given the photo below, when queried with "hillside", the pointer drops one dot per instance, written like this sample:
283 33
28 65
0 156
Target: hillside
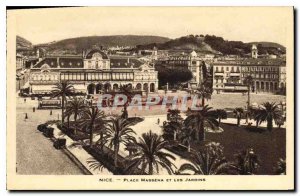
23 44
269 47
76 45
269 44
214 44
183 43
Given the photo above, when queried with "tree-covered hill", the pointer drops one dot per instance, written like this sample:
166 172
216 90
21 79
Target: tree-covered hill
23 44
81 43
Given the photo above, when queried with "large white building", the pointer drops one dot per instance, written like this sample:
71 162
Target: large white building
268 74
92 73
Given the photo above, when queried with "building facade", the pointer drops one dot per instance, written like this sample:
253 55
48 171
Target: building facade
93 73
269 75
192 61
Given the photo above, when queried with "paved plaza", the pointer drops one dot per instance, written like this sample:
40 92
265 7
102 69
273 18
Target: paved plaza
35 153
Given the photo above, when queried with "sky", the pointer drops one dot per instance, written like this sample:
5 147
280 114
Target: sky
245 24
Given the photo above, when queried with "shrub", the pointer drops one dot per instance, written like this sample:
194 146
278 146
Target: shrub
42 127
59 143
48 132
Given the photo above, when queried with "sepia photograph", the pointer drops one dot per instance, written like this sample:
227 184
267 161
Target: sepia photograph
150 98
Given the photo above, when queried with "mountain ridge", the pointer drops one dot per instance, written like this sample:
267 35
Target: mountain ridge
200 43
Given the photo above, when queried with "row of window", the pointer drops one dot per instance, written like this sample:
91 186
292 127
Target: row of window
260 69
43 77
217 69
272 76
237 69
97 76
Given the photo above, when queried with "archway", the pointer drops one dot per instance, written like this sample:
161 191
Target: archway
107 87
257 86
262 86
98 88
152 87
129 86
145 87
139 86
271 87
91 88
267 86
115 86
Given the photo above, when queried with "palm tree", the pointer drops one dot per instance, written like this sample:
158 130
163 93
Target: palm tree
173 115
75 107
186 136
269 112
118 132
127 90
209 161
62 89
150 155
201 118
93 119
253 114
238 112
246 162
248 81
171 129
204 92
222 114
174 124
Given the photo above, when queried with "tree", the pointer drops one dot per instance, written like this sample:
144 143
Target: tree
174 124
186 137
204 92
248 81
62 89
280 168
118 132
150 155
253 114
171 130
238 112
127 90
93 119
173 115
246 162
75 107
208 161
172 75
201 118
221 114
269 112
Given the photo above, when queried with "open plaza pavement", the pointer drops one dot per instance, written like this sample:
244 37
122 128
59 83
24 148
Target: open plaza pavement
36 154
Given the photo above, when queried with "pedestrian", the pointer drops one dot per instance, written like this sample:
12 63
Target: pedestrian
25 100
33 109
50 112
158 121
26 116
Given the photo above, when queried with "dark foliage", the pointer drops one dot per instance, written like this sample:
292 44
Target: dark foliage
173 76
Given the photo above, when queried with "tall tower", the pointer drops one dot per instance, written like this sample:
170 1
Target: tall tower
254 52
194 67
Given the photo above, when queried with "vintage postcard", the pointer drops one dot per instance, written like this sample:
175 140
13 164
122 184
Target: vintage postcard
150 98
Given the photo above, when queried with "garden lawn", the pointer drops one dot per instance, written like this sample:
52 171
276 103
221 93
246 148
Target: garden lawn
269 146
